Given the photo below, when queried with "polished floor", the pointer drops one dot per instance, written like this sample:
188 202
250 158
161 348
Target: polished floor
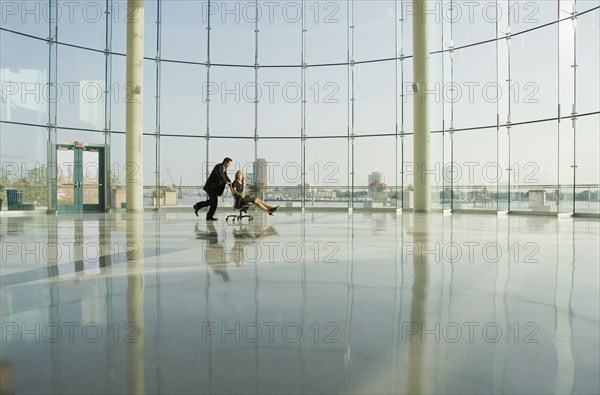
320 302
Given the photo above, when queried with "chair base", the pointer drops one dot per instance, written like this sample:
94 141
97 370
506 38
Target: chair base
243 210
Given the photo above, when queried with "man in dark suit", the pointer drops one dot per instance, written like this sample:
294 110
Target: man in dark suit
214 187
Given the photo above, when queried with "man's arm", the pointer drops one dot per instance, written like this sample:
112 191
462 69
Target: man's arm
222 174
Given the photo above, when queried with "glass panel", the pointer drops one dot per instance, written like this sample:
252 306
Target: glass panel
23 77
534 152
30 17
91 177
503 145
232 38
588 59
406 149
280 101
149 168
232 101
467 17
406 81
183 98
24 166
564 195
566 42
474 91
183 29
526 15
440 195
181 181
81 79
280 37
327 175
87 16
374 29
117 170
283 169
587 197
475 173
327 101
375 172
374 98
534 89
327 32
65 177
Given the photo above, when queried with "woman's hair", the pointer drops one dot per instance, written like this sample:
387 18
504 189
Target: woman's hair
241 173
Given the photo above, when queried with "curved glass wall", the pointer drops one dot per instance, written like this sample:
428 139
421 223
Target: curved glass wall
313 100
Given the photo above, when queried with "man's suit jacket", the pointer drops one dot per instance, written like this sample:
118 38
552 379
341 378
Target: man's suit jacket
217 180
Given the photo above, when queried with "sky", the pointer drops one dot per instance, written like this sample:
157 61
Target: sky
468 88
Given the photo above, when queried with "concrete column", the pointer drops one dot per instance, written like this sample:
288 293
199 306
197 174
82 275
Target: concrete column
421 105
135 75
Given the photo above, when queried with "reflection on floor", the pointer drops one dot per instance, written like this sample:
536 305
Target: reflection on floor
321 302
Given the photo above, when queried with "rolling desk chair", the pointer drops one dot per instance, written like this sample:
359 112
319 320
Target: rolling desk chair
243 210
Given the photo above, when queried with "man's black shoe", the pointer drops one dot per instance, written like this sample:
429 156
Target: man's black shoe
212 219
196 208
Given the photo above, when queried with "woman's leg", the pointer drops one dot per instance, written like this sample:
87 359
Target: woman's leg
261 205
258 201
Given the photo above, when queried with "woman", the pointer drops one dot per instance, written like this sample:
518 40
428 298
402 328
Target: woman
237 188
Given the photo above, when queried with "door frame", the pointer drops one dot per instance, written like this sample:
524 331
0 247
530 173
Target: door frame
103 178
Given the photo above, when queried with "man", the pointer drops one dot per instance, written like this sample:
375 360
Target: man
214 187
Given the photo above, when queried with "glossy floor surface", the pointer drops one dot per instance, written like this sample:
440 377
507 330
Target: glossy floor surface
323 302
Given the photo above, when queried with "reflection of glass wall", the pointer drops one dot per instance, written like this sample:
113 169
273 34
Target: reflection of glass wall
515 119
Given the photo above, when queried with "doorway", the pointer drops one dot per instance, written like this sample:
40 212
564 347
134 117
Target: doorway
79 178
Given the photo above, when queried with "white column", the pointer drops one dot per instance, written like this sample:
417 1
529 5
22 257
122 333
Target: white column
133 98
421 106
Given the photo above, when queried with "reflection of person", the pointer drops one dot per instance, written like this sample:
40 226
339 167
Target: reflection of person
237 188
214 253
214 187
243 238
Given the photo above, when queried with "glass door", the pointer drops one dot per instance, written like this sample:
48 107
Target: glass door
79 179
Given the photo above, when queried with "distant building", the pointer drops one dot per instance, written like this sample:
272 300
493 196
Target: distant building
259 176
376 181
261 172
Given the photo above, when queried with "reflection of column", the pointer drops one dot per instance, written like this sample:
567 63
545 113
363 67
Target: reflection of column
420 110
563 333
445 308
105 264
398 292
501 314
349 299
53 260
135 302
303 345
418 306
135 63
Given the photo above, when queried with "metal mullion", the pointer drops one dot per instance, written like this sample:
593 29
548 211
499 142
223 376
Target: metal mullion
157 100
208 65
